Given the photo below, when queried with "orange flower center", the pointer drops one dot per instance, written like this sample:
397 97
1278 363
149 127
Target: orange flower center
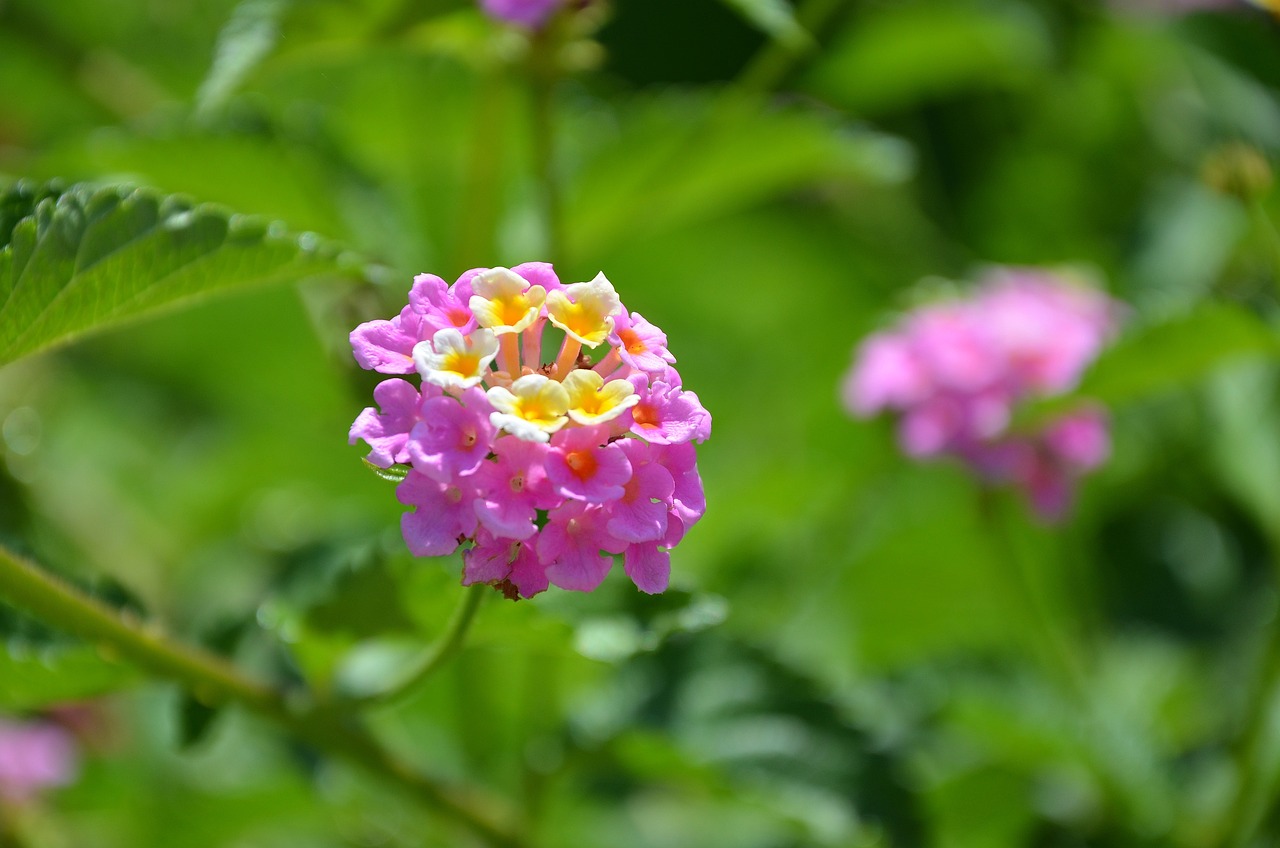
646 416
582 463
632 342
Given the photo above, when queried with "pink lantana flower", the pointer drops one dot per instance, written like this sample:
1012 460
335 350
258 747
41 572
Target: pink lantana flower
576 542
648 564
513 487
34 756
666 414
510 565
454 436
443 514
542 466
956 371
387 346
640 344
387 431
441 306
525 13
582 468
640 513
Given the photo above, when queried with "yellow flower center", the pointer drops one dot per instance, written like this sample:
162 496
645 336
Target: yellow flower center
535 410
465 363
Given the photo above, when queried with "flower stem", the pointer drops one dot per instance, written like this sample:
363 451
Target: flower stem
216 681
768 68
1270 234
543 79
480 210
440 651
1255 776
1054 642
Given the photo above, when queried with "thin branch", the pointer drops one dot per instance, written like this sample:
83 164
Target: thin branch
55 602
770 66
543 128
439 652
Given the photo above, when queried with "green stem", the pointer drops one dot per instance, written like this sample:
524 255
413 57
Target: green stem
216 681
768 68
543 76
1270 234
1254 777
440 651
480 203
1247 807
1055 643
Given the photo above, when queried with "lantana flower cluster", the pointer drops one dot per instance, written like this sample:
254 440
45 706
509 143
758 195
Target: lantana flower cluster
35 755
543 468
956 371
525 13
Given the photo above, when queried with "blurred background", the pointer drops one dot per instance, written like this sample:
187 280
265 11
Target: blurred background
857 649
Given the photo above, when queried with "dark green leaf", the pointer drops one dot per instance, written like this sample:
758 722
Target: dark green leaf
91 257
195 719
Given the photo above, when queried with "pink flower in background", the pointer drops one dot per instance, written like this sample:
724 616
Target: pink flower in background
542 469
526 13
34 756
956 371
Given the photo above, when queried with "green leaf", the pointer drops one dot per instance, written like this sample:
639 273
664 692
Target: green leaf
1161 357
376 666
776 18
33 679
905 53
195 720
244 42
394 474
1178 352
684 158
88 257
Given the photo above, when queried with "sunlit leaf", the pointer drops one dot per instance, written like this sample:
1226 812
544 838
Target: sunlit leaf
775 17
245 41
92 257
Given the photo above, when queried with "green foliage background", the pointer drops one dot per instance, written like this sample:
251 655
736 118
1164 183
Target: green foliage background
857 650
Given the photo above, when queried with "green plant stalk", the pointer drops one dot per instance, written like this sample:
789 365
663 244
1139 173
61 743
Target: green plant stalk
480 204
1256 779
439 652
1054 642
215 681
543 76
1270 234
768 68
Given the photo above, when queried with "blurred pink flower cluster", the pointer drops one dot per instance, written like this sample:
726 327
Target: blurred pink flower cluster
526 13
544 469
955 371
35 755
